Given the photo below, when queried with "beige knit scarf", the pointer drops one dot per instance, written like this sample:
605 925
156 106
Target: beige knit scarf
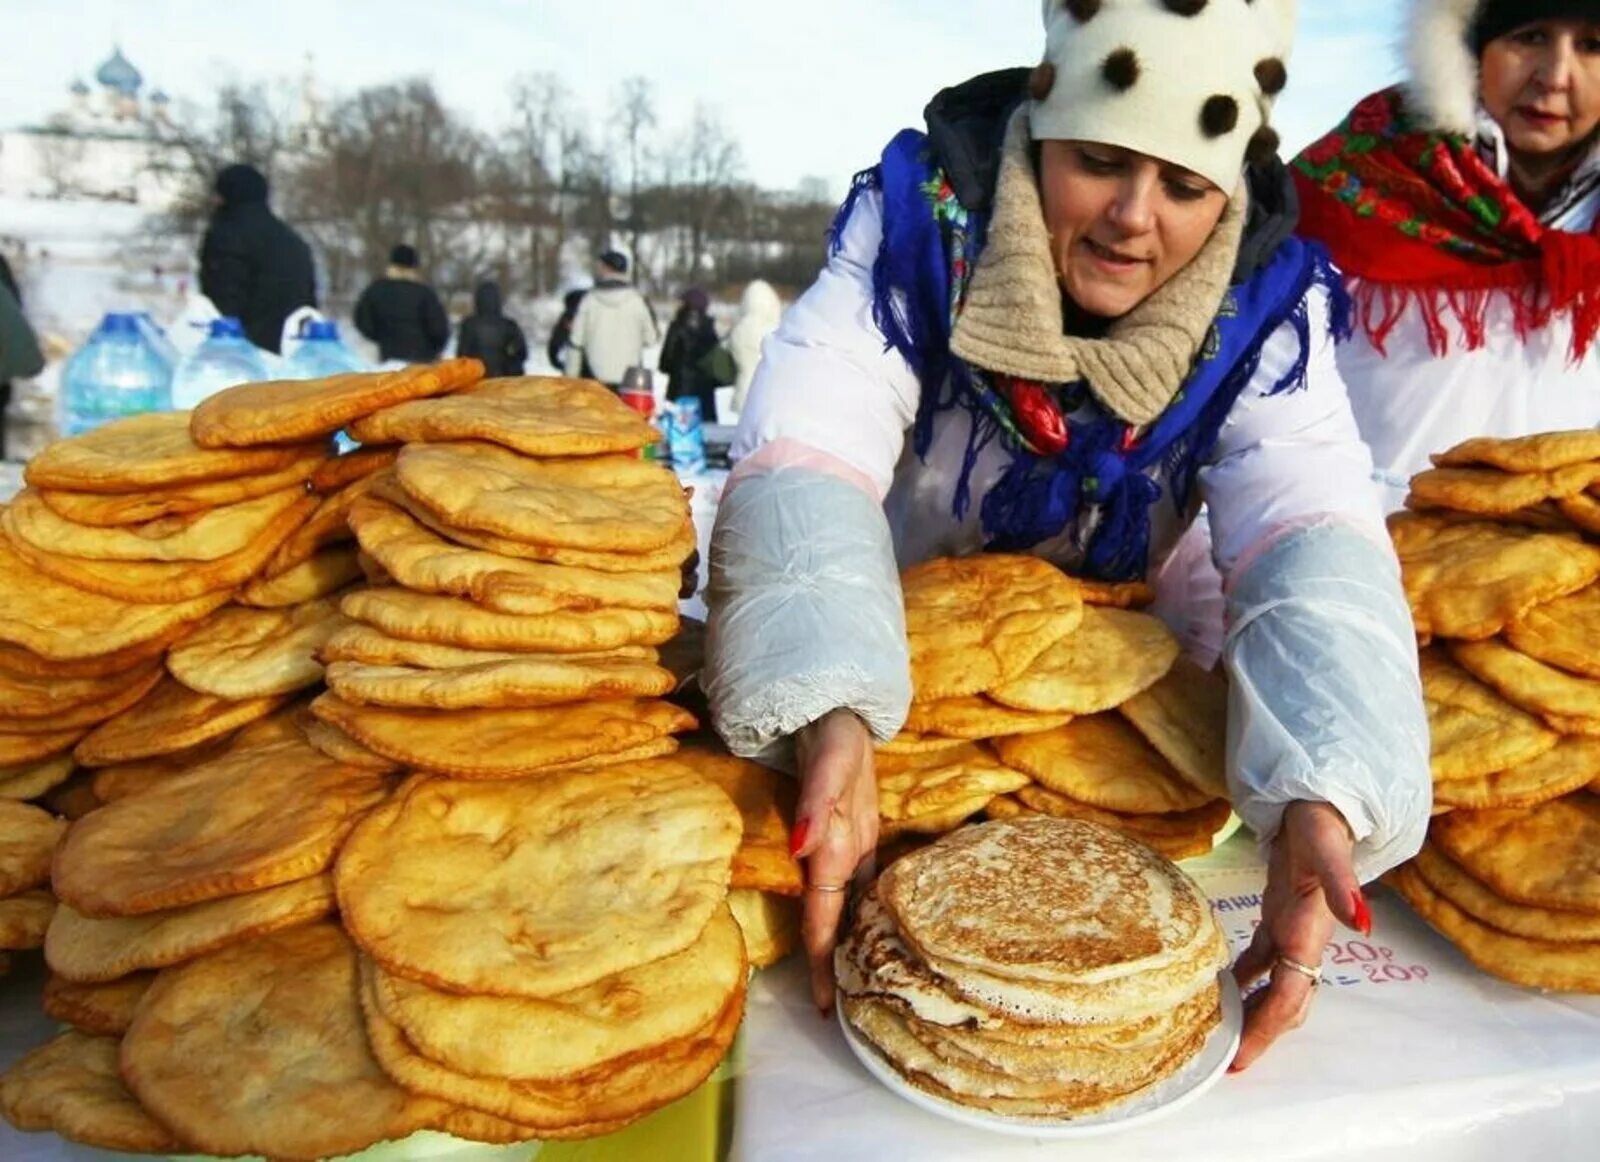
1012 322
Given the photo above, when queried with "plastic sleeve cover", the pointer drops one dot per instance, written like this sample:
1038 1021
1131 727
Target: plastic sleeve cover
1326 700
806 614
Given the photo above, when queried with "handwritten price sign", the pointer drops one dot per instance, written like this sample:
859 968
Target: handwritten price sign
1348 963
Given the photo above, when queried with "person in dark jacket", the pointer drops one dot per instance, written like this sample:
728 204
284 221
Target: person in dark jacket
561 334
487 334
252 265
690 338
402 314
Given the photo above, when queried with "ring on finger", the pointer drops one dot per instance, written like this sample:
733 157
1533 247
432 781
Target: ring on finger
830 888
1314 975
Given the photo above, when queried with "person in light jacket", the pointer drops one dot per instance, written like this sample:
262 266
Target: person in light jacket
613 326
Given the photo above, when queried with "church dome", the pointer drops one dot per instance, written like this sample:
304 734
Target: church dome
117 73
79 89
159 97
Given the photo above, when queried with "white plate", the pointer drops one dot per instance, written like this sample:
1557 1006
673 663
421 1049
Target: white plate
1203 1071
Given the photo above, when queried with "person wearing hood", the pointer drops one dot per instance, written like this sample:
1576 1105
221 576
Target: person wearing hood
401 313
1462 207
760 311
253 266
613 326
691 336
489 335
1056 323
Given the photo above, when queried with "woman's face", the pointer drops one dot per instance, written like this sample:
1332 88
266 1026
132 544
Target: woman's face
1121 223
1541 84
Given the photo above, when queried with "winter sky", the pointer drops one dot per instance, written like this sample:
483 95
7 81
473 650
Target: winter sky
809 89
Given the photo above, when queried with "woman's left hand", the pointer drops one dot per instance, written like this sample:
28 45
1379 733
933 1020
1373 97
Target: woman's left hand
1311 882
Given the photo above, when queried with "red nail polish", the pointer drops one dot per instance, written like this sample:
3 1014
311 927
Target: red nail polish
1363 913
797 838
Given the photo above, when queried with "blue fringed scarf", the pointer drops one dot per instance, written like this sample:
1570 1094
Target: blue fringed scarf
1105 482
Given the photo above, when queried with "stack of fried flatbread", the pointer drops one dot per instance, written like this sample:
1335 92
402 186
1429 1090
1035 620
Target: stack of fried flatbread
1505 591
1038 694
532 565
1033 967
554 951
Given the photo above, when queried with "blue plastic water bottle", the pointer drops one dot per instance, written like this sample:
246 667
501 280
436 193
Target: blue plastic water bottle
225 359
117 373
322 353
686 438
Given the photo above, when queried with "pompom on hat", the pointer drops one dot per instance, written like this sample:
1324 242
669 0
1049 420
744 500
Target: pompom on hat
1191 82
1444 47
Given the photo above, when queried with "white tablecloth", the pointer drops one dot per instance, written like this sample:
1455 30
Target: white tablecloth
1441 1065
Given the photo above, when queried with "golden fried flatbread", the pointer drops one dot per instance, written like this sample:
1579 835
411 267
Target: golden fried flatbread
1007 807
502 744
89 951
766 801
25 750
909 743
608 504
1582 510
355 642
33 780
124 779
452 621
1185 717
1101 760
253 818
103 509
241 653
770 923
543 680
1567 724
71 1085
1178 836
1572 764
28 838
24 918
288 410
65 702
326 528
344 470
977 717
114 702
915 792
1490 492
1541 453
171 718
73 799
534 415
1541 964
59 622
329 572
1470 581
1115 594
163 582
259 1049
477 1126
1546 856
1108 659
421 559
539 886
1527 682
631 1015
1564 633
105 1010
1441 874
20 662
199 536
557 1108
147 451
975 623
340 747
1475 733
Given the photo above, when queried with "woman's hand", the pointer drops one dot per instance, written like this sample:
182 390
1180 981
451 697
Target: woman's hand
1311 882
835 832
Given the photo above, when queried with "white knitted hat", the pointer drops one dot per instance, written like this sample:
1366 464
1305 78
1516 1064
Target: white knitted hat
1191 82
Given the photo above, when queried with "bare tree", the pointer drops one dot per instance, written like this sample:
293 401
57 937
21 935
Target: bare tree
635 116
535 170
249 123
60 156
711 162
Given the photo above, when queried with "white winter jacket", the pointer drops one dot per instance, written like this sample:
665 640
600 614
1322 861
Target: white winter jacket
611 330
760 309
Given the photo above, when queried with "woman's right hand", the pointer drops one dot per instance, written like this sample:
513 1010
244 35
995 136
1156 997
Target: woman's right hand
835 832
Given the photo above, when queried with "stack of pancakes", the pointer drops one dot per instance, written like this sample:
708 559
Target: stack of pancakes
1504 585
532 565
1033 968
1038 694
211 971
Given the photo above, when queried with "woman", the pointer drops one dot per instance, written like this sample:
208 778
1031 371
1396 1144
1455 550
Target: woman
490 335
1473 263
691 336
1087 320
760 310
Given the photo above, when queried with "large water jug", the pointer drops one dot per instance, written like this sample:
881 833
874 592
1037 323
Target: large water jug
117 373
224 360
156 335
322 353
